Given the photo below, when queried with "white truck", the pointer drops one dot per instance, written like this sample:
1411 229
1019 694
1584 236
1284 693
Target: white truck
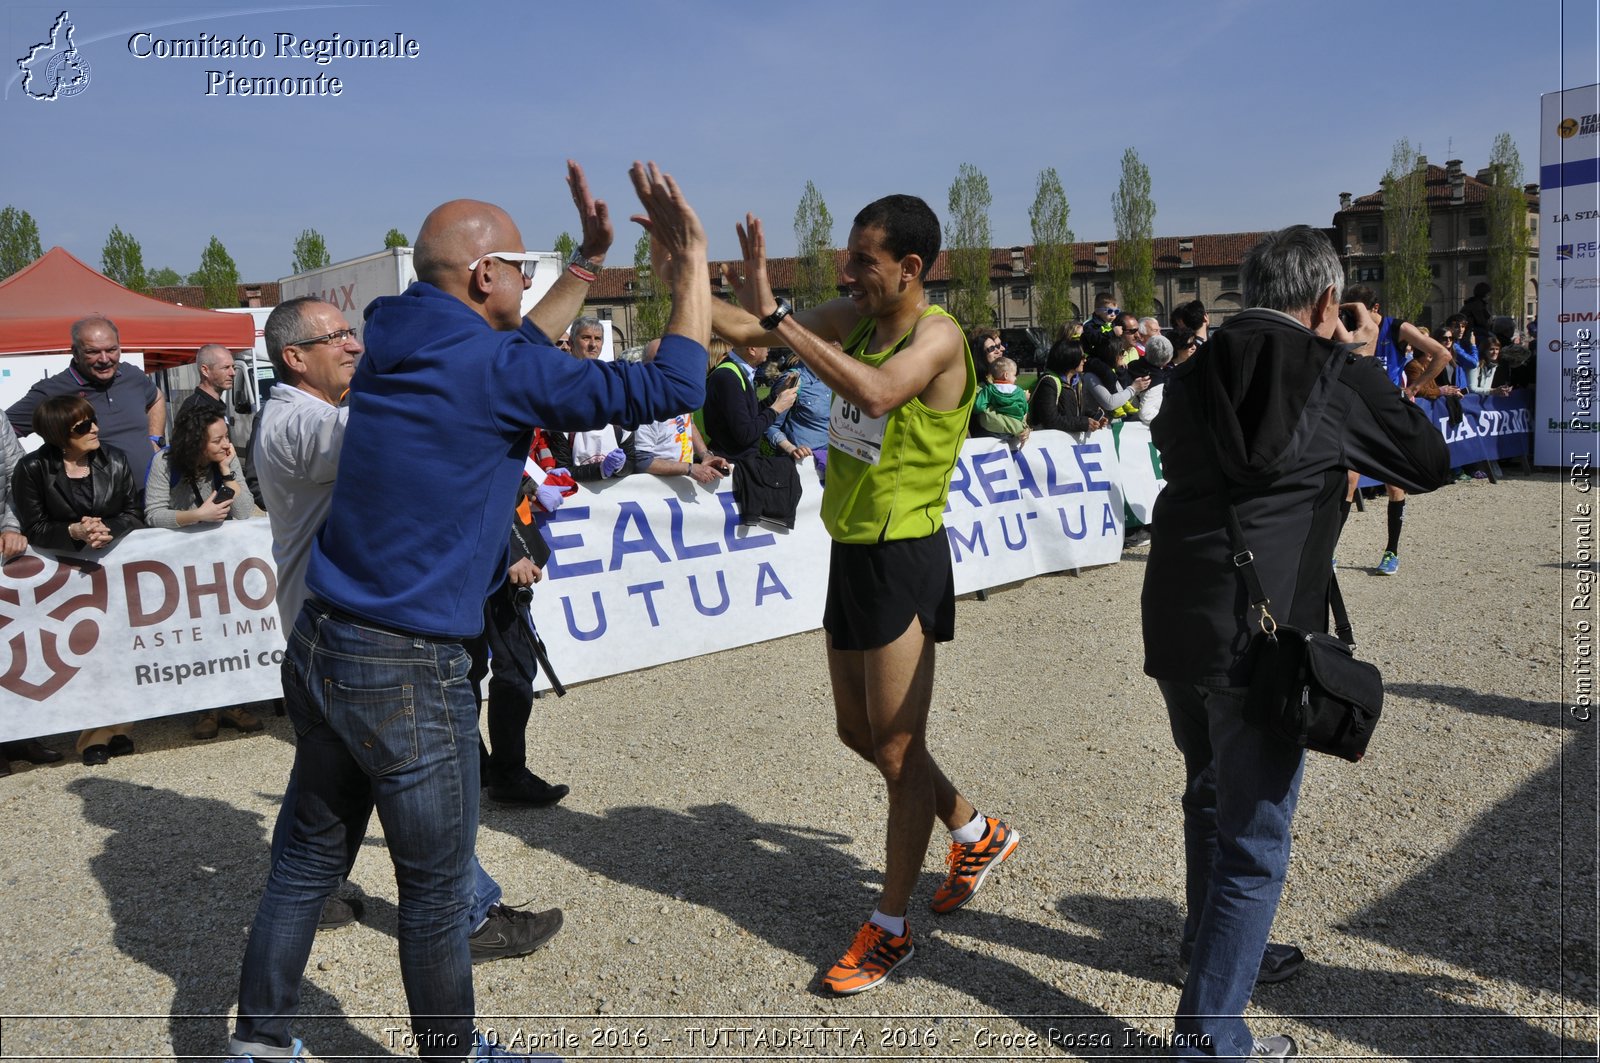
352 284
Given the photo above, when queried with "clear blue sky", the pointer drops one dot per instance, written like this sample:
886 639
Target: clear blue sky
1250 114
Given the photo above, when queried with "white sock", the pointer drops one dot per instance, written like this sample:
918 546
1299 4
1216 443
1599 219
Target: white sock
973 831
894 924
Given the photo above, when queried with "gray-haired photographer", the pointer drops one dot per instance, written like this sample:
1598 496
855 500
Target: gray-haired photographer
1290 406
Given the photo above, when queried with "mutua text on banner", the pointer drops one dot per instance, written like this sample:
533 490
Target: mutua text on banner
320 51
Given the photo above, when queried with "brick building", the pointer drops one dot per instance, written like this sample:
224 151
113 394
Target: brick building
1202 267
1458 239
260 293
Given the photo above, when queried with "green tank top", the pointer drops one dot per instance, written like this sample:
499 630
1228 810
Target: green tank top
901 494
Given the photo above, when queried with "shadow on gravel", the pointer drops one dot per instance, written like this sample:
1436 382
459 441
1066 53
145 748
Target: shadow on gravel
182 877
795 888
1544 713
1514 900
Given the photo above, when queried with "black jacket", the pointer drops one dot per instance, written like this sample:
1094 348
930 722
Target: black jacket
1287 413
43 508
1060 406
734 418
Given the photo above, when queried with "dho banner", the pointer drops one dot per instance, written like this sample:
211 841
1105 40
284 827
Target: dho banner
162 622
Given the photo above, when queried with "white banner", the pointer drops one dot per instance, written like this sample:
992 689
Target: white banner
1141 469
644 570
1569 273
647 570
162 622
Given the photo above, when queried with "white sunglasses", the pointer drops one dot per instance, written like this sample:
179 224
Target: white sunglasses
528 260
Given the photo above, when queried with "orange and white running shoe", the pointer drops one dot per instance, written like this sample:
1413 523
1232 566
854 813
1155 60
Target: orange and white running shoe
970 864
868 961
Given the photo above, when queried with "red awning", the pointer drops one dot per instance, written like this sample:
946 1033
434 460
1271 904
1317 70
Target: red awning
38 305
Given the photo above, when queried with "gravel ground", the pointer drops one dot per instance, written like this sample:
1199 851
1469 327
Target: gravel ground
720 847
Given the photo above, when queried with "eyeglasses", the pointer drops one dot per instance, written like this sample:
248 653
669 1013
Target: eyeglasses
83 428
344 335
996 346
529 260
564 344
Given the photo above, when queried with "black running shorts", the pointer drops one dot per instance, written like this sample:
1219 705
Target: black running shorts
875 589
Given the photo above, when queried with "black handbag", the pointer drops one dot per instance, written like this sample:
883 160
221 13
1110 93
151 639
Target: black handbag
1307 687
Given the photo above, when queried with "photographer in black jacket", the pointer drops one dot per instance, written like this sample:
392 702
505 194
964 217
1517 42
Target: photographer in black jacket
1268 415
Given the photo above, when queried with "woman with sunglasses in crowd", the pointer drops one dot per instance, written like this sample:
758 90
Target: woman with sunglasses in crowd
74 493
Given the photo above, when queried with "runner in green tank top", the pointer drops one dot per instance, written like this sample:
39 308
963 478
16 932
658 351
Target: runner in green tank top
903 387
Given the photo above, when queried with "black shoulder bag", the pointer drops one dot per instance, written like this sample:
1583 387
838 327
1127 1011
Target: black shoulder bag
1306 687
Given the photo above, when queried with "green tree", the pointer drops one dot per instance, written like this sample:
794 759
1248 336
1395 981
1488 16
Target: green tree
816 277
1509 242
970 247
310 252
122 259
19 240
1052 253
395 238
565 245
165 277
1406 278
652 303
1134 262
217 275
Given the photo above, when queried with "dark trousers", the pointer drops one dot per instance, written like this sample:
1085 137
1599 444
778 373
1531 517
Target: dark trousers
504 652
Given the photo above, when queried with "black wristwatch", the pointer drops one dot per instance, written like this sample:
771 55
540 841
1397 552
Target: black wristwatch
770 322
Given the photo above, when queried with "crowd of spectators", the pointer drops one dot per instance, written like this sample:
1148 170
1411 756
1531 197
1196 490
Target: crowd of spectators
105 466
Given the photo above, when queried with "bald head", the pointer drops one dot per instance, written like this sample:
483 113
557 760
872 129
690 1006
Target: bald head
457 232
215 363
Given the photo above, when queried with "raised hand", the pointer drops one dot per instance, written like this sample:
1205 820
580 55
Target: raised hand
594 219
755 290
673 225
677 250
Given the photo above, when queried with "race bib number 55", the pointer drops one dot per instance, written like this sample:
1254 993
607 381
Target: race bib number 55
852 431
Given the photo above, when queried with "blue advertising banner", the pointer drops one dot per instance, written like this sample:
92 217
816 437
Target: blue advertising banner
1486 428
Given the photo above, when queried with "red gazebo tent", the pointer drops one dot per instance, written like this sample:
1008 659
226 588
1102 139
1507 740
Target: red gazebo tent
38 305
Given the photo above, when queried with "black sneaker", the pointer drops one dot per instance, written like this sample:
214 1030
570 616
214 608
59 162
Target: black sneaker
1279 963
529 790
339 911
513 932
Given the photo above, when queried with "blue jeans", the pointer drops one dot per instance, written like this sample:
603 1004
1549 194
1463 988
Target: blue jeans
1238 801
387 721
486 891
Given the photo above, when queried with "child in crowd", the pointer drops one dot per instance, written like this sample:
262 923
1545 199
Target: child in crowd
1001 406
